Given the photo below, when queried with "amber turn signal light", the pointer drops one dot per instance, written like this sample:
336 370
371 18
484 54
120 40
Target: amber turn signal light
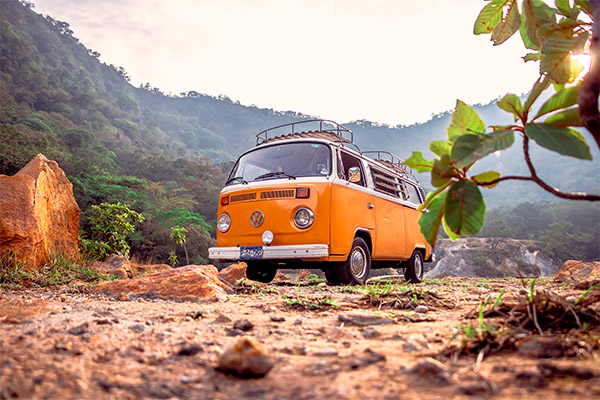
224 200
302 193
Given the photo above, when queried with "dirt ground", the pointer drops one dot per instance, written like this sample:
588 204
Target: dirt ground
327 342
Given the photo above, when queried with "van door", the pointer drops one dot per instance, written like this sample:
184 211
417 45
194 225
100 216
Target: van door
390 231
352 206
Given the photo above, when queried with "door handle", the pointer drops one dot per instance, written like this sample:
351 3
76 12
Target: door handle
370 206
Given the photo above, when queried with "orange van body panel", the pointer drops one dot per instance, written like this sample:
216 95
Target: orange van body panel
349 213
278 215
390 234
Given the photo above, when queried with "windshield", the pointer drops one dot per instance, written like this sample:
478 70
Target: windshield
289 160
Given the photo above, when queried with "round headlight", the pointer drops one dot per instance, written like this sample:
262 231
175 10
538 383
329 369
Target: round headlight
267 237
304 218
223 223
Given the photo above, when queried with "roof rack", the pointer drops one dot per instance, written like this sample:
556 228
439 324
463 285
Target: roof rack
322 129
390 160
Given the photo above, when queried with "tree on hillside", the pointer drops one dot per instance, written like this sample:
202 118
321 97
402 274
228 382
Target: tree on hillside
552 35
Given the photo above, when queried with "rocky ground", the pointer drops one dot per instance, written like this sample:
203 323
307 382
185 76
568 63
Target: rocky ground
326 343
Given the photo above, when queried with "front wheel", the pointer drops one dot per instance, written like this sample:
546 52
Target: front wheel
413 272
355 270
260 272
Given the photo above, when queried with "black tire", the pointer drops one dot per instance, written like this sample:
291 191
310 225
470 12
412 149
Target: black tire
355 270
260 272
331 275
413 272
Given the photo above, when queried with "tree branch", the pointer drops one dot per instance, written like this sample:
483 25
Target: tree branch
590 87
535 178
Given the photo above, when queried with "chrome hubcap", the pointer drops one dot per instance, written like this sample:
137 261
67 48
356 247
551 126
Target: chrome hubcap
418 266
358 262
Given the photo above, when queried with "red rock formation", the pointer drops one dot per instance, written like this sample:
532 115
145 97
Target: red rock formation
579 271
38 213
233 273
189 283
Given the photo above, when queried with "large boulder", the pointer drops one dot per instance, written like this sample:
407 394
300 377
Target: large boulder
490 258
38 214
233 273
579 271
189 283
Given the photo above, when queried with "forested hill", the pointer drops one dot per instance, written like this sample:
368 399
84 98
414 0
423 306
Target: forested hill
168 155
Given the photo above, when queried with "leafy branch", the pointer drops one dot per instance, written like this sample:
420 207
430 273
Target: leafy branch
554 35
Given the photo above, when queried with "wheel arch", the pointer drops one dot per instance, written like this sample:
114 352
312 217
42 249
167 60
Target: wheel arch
366 236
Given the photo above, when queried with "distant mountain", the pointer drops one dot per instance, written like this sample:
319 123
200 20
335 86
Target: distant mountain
57 97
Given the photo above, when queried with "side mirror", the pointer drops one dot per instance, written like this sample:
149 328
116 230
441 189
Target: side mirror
354 175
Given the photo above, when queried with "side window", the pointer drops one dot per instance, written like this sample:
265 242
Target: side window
349 161
413 194
386 183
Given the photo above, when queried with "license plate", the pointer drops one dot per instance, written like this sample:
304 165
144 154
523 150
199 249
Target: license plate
251 252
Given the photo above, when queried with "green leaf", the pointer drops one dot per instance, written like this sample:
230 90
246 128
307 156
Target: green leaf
532 57
512 104
535 14
489 17
465 208
556 59
508 26
538 88
442 171
585 6
464 120
431 218
440 147
417 162
562 99
565 118
469 148
453 236
561 140
564 7
487 177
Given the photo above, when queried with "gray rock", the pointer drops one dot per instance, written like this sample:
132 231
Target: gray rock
243 325
421 309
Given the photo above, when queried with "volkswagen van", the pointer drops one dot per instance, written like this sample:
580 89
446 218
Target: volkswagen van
306 197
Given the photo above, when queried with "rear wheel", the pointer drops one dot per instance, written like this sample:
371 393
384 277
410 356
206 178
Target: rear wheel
260 272
413 272
355 270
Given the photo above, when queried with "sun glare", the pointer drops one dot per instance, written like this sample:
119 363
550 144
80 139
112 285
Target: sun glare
584 59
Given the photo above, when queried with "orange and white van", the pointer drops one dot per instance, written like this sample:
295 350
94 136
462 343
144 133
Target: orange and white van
312 199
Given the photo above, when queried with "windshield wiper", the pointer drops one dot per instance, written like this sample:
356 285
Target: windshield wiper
273 174
236 178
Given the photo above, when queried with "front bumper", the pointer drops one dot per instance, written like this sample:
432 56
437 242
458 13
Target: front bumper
273 252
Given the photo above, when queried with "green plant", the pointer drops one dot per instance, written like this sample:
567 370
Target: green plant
172 258
60 270
178 237
305 302
554 34
112 225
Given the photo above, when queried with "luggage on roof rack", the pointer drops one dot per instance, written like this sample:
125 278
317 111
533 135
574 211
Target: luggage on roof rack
322 129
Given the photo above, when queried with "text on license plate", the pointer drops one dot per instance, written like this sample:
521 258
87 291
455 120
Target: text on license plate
251 252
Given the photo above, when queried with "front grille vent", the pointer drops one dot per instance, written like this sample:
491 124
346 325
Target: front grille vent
243 197
278 194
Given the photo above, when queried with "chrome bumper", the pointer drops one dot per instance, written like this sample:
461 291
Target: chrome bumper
273 252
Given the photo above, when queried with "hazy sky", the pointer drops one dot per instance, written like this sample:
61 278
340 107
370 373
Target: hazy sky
388 61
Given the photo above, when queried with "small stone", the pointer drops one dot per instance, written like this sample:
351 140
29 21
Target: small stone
432 370
277 318
327 352
369 357
61 346
243 325
369 333
474 389
184 379
63 298
415 343
246 358
421 309
79 330
523 292
222 318
298 321
270 309
189 350
139 328
530 379
234 332
571 299
149 322
188 318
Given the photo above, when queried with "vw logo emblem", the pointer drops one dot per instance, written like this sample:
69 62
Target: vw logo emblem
257 218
